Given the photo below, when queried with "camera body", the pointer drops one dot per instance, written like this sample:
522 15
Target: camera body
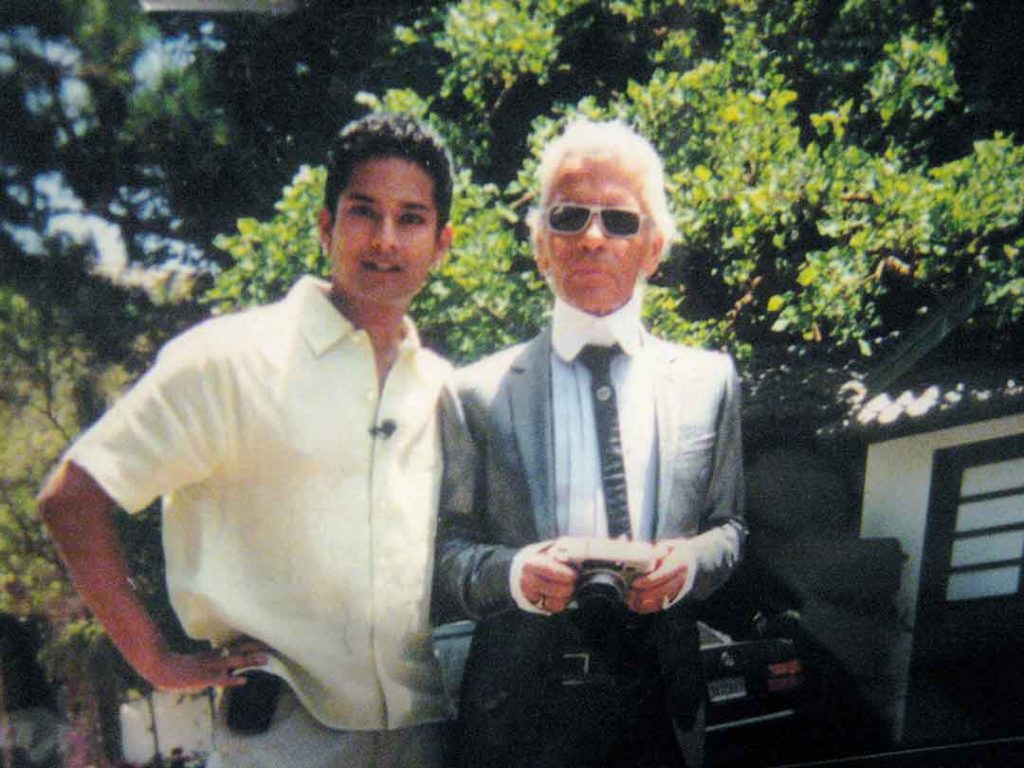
607 568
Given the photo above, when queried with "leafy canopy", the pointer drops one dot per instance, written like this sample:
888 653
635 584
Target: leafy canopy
827 185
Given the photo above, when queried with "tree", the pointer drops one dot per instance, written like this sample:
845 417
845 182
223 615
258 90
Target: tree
829 184
55 383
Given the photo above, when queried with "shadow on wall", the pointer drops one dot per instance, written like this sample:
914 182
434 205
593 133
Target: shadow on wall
809 576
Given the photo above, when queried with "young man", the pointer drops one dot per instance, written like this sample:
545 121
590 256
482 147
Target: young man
591 433
297 450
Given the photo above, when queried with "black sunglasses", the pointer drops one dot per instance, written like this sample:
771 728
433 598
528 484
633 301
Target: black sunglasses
615 222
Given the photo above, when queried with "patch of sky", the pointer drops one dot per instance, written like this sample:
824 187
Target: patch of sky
62 215
72 93
75 97
65 218
162 55
145 203
56 194
170 252
38 98
173 54
210 40
26 40
20 194
76 103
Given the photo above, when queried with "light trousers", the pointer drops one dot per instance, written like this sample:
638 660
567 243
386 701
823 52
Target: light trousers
296 740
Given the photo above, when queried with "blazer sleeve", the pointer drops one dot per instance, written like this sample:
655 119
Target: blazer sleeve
719 547
471 574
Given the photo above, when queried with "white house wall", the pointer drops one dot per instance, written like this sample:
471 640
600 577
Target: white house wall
165 721
897 489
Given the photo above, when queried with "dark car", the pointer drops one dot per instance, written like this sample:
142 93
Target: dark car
750 683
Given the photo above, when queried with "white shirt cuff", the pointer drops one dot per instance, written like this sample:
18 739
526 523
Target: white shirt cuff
689 555
515 578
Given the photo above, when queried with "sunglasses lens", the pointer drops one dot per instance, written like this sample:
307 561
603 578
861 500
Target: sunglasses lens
620 222
568 218
617 222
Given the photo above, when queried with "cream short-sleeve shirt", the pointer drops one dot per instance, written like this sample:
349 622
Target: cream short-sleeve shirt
284 517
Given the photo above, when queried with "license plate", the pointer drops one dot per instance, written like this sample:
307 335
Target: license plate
727 689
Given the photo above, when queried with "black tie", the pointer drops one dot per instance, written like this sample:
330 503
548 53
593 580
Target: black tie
609 440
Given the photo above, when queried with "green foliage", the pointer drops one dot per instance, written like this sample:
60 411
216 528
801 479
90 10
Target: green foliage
41 405
914 79
269 256
796 138
61 360
486 294
886 225
38 418
791 131
493 43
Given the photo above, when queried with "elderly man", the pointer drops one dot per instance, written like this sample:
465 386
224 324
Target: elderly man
296 448
594 444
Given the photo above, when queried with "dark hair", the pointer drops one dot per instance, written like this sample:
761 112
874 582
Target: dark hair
390 134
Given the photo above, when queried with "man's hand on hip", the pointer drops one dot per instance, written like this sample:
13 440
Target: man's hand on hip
206 669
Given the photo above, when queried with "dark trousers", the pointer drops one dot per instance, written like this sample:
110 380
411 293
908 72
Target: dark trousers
604 704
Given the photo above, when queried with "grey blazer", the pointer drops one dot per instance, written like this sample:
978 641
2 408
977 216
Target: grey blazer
499 497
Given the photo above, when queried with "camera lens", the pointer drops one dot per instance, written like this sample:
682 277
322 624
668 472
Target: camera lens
602 591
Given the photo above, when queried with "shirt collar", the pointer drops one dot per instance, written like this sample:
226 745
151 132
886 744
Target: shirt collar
322 325
572 329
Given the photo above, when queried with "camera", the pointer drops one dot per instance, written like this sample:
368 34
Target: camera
606 568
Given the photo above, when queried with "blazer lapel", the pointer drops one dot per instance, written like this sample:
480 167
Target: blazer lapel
667 404
529 392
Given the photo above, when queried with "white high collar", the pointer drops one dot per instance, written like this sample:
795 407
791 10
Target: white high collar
572 329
